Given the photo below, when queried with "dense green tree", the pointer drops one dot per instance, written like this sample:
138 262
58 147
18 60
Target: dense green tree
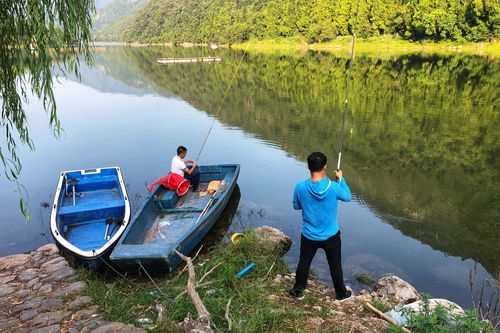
34 37
229 21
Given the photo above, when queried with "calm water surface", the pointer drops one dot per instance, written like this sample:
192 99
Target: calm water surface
422 150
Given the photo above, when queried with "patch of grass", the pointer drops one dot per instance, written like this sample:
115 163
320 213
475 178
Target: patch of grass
252 309
380 304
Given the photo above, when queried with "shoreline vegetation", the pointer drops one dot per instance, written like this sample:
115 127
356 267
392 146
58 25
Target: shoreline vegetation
258 301
385 45
42 293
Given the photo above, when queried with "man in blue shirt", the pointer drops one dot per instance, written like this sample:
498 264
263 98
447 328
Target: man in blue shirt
317 198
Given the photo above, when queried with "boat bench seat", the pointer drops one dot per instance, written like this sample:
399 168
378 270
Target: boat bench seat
169 199
85 208
95 183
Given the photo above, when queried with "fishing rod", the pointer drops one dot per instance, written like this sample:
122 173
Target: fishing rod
222 101
348 83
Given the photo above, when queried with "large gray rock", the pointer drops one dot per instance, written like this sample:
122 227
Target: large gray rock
6 290
28 304
274 237
85 313
32 283
50 304
73 288
52 262
28 274
80 301
14 261
62 272
49 249
47 329
7 323
49 318
396 290
6 279
27 315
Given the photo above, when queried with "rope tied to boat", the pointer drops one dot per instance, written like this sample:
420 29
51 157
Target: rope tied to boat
114 270
150 278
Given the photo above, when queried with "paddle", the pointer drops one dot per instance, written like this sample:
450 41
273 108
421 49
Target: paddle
209 203
118 222
72 182
109 220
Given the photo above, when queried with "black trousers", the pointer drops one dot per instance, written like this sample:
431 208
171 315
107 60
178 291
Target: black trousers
332 247
194 177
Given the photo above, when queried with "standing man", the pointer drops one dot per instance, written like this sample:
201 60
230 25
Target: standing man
317 198
190 172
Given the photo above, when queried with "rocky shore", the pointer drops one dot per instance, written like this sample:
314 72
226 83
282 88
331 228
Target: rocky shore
41 293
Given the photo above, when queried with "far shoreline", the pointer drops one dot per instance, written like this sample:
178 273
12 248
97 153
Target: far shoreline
385 45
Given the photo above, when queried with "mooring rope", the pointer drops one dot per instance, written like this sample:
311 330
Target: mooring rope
114 270
223 100
149 276
348 83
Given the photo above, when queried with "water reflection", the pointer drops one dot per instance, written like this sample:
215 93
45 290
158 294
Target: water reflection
423 134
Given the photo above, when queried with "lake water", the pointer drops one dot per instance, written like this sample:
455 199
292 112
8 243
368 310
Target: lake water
421 153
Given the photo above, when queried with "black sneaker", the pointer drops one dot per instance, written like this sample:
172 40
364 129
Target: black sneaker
347 295
296 293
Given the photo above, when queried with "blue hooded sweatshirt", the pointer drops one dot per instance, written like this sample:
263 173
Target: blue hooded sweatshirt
318 201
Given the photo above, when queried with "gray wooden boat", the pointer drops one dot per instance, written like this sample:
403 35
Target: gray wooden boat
166 222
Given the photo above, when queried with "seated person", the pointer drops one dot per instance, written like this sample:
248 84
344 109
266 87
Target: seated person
190 172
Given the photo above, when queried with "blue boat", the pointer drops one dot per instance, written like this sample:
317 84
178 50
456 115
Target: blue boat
166 222
90 213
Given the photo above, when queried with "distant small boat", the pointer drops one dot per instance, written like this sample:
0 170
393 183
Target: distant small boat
187 60
166 222
91 211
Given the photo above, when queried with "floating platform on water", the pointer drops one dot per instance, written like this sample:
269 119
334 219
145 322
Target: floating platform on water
187 60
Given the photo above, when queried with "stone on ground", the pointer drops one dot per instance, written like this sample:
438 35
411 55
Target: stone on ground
40 293
274 237
396 290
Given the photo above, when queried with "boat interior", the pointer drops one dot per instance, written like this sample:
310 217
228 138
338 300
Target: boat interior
166 217
91 208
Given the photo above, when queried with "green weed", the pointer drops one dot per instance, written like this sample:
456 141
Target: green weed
252 309
441 320
364 278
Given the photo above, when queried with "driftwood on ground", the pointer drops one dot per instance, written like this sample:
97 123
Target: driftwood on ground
226 316
384 316
202 324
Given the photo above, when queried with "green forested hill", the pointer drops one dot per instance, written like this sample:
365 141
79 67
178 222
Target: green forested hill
111 20
230 21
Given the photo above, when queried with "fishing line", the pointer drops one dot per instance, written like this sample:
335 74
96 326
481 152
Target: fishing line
348 83
223 100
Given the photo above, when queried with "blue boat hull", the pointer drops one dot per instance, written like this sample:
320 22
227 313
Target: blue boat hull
90 213
179 224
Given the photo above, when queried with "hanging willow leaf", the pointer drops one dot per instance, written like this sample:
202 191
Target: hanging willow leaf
35 37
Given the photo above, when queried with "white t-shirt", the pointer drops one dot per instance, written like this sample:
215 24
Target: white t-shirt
178 166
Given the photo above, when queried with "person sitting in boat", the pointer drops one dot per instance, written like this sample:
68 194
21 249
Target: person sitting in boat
186 168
